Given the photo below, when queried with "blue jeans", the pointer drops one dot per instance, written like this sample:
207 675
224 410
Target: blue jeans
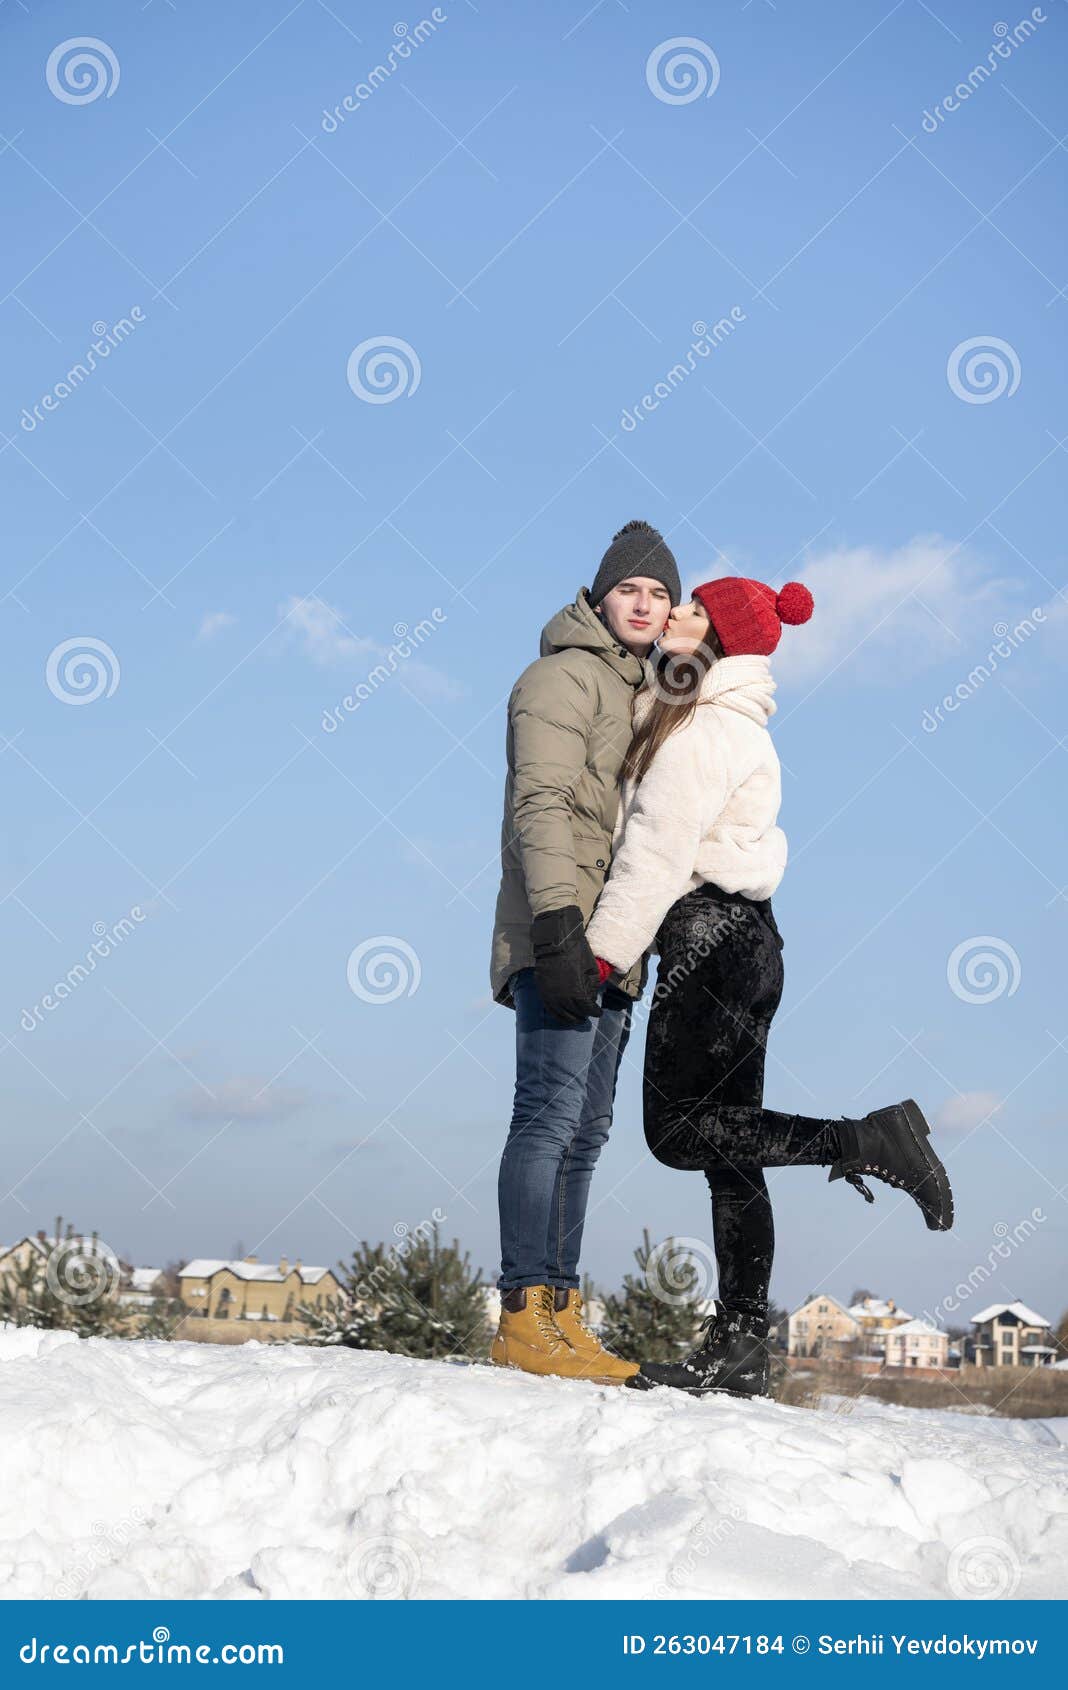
564 1090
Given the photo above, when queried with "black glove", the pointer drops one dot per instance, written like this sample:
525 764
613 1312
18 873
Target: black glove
566 974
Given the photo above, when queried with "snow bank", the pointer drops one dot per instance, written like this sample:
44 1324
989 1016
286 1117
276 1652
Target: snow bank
188 1470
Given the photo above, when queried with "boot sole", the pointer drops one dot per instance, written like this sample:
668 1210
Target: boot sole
579 1378
921 1133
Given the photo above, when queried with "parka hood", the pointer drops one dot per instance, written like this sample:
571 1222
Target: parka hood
578 627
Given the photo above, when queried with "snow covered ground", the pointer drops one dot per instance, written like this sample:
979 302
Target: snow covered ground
188 1470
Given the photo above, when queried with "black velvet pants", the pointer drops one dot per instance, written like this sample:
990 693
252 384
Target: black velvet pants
718 986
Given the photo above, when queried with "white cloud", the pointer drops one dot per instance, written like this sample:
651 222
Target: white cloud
213 622
325 637
881 612
968 1109
243 1098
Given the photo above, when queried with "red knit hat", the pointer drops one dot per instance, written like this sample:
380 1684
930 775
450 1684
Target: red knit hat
748 616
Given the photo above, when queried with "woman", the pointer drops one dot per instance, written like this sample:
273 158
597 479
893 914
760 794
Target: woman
698 856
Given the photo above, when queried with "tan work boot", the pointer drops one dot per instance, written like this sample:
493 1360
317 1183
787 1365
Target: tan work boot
528 1336
591 1360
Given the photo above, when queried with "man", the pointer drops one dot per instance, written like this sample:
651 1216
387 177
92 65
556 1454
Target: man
569 725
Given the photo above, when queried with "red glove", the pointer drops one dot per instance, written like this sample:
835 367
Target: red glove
604 969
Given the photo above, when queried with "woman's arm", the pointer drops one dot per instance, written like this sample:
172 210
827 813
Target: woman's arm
676 803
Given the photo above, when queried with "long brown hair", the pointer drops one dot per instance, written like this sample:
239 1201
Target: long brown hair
678 687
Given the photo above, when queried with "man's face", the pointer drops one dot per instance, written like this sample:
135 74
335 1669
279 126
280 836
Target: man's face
636 612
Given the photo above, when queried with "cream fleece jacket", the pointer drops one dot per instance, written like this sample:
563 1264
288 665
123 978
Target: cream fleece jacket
706 810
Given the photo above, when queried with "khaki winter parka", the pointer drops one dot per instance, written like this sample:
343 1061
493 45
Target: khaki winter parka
569 725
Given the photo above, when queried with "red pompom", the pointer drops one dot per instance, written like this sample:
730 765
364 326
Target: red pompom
794 603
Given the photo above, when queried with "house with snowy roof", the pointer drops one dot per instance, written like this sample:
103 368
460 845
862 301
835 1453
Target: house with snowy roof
1011 1335
821 1326
253 1290
876 1318
917 1343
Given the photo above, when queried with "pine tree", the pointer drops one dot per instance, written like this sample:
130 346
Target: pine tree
416 1298
642 1323
69 1282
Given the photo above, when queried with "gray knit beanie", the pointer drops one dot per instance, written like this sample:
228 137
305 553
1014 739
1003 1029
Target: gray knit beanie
637 550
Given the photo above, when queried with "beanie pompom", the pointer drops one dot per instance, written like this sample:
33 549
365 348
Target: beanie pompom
794 603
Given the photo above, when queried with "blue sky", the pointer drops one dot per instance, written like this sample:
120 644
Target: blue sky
518 205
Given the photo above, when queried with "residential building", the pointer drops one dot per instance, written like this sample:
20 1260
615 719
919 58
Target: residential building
142 1286
1011 1335
821 1327
254 1290
916 1343
875 1319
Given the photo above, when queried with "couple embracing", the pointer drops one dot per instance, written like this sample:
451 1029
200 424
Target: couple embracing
641 813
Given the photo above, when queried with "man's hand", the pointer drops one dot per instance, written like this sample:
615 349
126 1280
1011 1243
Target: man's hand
567 976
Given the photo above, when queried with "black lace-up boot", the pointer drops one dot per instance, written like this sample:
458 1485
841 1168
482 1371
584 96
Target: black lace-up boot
893 1145
732 1357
